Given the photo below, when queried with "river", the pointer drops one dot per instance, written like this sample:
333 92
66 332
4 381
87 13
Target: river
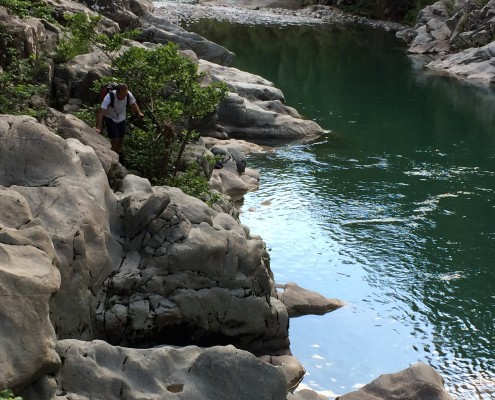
392 211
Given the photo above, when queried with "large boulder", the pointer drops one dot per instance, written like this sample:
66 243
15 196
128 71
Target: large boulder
67 189
126 13
418 382
475 64
189 274
230 175
252 120
30 36
74 79
29 277
96 370
255 109
159 30
449 25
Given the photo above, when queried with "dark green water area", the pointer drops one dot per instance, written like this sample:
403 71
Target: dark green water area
392 211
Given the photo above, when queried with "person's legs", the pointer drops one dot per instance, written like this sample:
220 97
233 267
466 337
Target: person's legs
116 133
117 143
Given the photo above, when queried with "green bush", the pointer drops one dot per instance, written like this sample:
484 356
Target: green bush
78 36
7 394
28 8
18 86
167 87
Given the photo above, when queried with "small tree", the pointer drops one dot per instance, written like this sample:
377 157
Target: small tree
167 85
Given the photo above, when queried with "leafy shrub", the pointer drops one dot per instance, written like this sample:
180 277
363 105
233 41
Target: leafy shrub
166 86
7 394
28 8
192 183
77 37
18 88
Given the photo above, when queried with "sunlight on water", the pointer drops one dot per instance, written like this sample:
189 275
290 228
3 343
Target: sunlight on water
393 211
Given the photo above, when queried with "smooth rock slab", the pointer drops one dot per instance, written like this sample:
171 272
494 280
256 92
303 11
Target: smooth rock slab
96 370
28 278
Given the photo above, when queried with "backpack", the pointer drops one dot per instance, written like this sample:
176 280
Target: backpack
109 89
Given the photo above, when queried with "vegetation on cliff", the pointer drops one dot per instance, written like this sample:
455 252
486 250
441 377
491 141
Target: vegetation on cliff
166 84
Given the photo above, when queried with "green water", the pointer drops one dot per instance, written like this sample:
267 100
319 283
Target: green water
393 211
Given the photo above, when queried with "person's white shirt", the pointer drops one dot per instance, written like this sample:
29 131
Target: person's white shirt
117 113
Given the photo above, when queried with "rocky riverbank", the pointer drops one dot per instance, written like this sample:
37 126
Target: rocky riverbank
112 288
458 36
263 12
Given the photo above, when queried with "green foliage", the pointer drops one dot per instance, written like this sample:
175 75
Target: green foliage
7 394
144 153
166 83
167 86
88 114
18 88
28 8
194 184
78 36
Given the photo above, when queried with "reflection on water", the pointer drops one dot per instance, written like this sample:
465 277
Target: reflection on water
392 212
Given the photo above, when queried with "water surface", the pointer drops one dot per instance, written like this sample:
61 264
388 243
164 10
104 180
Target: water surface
392 212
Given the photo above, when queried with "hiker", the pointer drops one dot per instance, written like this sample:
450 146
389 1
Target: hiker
113 112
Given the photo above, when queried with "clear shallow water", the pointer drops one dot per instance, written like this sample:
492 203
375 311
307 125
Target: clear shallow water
393 211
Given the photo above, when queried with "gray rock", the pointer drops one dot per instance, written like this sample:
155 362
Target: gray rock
306 394
294 370
67 189
476 64
159 30
28 278
254 109
30 37
244 119
418 382
96 370
190 273
449 25
126 13
300 301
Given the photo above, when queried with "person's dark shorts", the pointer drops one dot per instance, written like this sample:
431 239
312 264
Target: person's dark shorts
115 130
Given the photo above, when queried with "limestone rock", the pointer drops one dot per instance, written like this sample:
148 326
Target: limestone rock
306 394
30 36
230 175
66 188
96 370
254 109
159 30
449 25
189 274
294 370
244 119
300 301
418 382
71 127
75 78
241 145
126 13
28 278
476 64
